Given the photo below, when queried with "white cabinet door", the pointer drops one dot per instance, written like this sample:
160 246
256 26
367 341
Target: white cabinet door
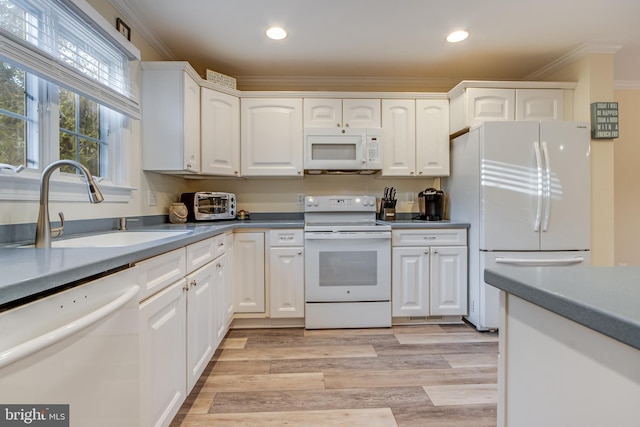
170 119
448 281
222 297
336 113
489 104
163 355
410 282
271 137
399 137
286 279
432 137
220 127
200 322
248 277
322 113
539 104
361 113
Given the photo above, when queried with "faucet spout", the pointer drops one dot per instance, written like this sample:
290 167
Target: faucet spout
43 226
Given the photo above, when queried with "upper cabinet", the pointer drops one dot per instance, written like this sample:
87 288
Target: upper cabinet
336 113
271 136
415 137
220 133
170 118
475 102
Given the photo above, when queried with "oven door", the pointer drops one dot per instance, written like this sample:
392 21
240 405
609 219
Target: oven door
347 266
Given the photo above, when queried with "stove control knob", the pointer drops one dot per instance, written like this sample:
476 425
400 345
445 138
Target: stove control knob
368 201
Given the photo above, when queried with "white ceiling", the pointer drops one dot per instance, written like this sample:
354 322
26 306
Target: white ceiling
388 40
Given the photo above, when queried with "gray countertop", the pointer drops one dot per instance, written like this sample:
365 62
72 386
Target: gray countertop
605 299
29 271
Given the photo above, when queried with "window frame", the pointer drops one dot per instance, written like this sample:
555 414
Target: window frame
25 185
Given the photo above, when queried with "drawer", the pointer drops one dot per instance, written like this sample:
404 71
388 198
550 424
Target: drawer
155 274
286 237
200 253
432 237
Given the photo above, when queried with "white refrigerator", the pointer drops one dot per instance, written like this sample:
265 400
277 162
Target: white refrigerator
524 188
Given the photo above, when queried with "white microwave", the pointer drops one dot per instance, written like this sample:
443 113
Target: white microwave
342 149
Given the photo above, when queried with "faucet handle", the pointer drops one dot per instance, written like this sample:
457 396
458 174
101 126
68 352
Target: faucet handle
57 231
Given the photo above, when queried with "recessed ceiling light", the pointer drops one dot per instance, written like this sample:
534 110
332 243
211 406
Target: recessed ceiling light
457 36
276 33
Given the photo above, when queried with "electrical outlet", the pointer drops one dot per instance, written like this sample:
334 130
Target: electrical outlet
151 198
300 199
410 197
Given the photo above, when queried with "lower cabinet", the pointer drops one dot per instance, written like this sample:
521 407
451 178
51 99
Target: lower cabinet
181 324
286 273
163 359
248 272
429 272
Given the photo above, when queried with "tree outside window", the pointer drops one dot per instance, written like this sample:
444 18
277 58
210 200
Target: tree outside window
13 115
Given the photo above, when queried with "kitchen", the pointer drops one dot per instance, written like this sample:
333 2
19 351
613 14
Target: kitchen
266 195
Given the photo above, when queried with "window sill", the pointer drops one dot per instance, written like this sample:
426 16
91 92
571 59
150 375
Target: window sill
26 187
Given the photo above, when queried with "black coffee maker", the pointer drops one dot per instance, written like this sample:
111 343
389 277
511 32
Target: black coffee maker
431 204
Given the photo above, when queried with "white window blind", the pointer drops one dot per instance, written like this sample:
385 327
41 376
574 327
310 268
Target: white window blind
50 39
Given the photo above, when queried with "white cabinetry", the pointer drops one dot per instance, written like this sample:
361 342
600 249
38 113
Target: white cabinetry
348 112
429 272
220 132
474 102
163 329
170 117
286 273
271 136
415 137
180 324
248 272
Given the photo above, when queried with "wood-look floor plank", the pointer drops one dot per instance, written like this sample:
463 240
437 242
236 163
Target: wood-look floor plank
452 348
218 383
446 338
234 343
384 363
321 340
197 403
314 352
469 360
462 394
376 417
313 400
412 329
447 416
241 367
424 377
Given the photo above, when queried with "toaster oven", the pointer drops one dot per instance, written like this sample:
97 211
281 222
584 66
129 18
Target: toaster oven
209 206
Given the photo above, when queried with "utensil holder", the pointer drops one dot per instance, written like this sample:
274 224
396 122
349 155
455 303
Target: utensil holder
387 214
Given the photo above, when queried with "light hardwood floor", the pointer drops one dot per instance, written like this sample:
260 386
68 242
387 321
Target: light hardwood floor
407 376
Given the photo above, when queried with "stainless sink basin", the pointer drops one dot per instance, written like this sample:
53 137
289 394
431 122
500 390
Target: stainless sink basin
114 239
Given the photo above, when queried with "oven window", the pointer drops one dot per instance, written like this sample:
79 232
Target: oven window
342 268
333 151
212 205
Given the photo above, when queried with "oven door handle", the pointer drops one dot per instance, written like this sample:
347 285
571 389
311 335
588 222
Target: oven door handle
348 236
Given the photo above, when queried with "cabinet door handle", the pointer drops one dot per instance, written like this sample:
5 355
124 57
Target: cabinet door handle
435 252
299 252
426 251
194 283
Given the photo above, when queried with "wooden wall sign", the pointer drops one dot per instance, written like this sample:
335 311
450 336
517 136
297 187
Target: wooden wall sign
604 120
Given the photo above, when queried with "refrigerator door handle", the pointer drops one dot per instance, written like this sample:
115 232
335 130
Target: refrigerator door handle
539 262
546 186
536 149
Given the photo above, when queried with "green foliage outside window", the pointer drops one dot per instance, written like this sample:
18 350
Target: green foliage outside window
13 119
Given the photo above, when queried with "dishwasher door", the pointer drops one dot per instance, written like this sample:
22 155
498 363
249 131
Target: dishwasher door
78 348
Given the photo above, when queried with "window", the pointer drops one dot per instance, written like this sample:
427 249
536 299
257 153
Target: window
64 89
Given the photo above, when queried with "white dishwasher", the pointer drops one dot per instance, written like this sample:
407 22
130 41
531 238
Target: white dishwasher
78 348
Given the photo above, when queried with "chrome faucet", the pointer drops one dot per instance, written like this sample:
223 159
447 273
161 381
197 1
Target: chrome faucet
44 232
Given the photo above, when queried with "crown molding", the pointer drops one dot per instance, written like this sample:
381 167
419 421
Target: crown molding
579 52
626 85
319 83
131 16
